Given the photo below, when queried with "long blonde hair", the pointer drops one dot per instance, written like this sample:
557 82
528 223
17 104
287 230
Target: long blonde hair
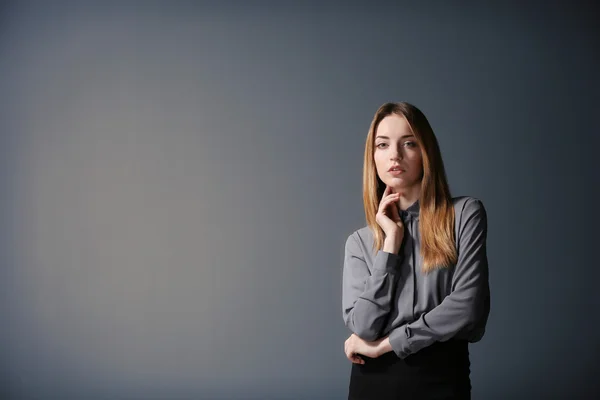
436 211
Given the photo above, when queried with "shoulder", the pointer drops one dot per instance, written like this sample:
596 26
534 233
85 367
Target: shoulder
468 203
360 239
471 215
466 206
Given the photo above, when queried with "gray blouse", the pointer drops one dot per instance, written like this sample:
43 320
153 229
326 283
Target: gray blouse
388 294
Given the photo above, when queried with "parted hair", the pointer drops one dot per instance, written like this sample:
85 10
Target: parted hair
436 211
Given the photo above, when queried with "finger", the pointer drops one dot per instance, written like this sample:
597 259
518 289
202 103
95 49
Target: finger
394 212
390 195
396 207
353 358
389 192
350 356
386 202
357 359
398 211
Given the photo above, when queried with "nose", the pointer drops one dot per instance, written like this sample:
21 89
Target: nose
396 153
396 156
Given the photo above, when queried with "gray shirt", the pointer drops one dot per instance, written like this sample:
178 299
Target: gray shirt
386 294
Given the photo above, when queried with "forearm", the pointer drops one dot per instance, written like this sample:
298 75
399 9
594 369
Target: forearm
368 292
392 244
466 307
366 314
438 325
384 346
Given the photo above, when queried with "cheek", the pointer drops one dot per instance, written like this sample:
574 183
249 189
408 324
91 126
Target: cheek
416 161
378 161
416 165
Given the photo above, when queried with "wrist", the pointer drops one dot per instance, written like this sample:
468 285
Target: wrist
391 245
384 346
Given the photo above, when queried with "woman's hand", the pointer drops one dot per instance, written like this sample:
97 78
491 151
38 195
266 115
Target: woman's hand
355 346
388 216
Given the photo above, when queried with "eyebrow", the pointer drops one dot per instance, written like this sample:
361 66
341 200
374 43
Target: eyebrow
401 137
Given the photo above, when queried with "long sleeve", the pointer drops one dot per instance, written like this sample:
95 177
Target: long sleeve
367 298
466 307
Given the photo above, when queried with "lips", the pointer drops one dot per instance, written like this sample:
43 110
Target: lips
396 168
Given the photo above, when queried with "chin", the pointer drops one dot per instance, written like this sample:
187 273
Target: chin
399 183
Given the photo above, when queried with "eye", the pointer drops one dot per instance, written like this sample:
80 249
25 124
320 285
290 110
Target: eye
411 144
380 145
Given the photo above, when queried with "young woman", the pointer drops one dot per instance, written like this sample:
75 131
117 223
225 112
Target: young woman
415 279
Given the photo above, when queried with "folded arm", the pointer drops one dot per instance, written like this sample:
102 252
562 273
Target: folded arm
367 298
466 305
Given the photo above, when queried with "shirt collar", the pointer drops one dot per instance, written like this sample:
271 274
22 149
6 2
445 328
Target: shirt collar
412 211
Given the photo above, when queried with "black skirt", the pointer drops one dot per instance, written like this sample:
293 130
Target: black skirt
440 371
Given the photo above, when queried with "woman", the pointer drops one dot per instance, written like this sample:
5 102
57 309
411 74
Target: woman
415 279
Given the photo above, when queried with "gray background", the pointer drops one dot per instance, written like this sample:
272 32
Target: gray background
178 181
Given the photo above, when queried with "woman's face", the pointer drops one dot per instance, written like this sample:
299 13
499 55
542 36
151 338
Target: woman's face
396 145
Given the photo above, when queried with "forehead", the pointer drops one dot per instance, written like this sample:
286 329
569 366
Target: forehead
393 125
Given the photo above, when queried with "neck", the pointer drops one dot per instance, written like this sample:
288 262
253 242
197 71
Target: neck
408 195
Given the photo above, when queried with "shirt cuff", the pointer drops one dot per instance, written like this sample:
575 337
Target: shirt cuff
386 262
401 340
